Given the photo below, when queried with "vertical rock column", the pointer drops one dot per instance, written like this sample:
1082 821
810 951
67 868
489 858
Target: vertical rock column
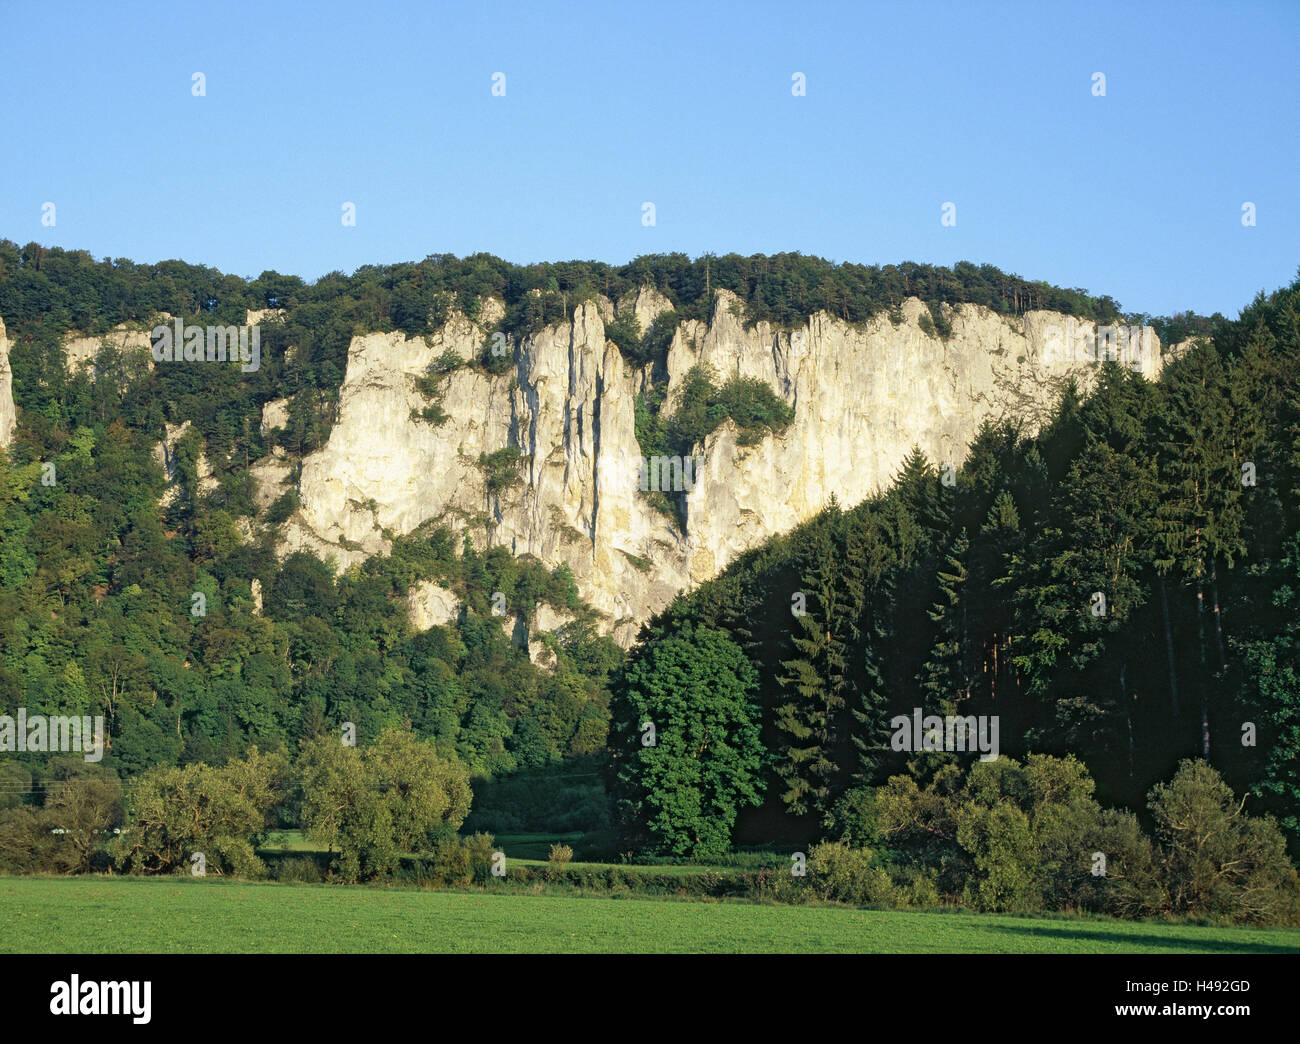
8 414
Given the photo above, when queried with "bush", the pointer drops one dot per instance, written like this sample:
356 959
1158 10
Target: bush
560 854
1006 857
840 872
916 887
25 848
298 871
480 847
625 331
854 818
659 338
221 813
450 864
501 468
1217 860
285 506
495 361
373 803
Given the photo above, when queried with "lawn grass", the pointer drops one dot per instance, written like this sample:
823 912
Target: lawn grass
183 915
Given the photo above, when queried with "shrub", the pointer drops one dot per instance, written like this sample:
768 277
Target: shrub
298 871
25 847
625 331
220 812
1006 857
916 887
854 818
285 506
560 854
501 468
480 847
659 338
1217 860
373 803
450 864
495 361
840 872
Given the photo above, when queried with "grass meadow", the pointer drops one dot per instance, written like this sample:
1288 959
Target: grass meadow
183 915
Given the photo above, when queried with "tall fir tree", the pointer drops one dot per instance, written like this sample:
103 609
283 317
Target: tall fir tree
1199 519
815 680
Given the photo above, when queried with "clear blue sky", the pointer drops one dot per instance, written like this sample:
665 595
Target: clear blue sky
909 105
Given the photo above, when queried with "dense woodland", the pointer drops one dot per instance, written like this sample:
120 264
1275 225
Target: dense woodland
1178 502
976 593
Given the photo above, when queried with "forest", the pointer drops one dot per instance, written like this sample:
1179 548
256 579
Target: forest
1117 588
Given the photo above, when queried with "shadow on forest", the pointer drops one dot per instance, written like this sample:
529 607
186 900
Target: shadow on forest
1137 938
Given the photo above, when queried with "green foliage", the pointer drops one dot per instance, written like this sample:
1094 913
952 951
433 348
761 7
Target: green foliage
558 797
682 793
221 813
698 409
374 803
1025 837
625 331
972 590
855 820
501 468
69 831
845 874
1217 860
284 506
813 719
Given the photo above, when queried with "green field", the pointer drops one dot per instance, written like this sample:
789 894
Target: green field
132 915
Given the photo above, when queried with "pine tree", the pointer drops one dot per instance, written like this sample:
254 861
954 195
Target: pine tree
814 682
1199 519
1000 538
868 579
948 675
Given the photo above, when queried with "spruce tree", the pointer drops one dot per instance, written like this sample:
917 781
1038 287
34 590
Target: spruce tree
1199 519
868 573
814 682
948 675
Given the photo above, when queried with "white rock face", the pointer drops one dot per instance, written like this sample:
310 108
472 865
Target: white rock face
429 605
547 619
647 304
254 316
79 353
165 454
270 474
275 416
8 413
863 396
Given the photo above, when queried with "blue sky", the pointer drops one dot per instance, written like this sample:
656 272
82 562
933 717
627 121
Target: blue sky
1137 194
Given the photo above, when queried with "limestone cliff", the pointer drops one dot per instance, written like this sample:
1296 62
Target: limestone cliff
8 415
862 397
80 353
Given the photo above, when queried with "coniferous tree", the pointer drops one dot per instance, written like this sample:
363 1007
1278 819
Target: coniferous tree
815 682
868 568
1199 519
1000 538
948 676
